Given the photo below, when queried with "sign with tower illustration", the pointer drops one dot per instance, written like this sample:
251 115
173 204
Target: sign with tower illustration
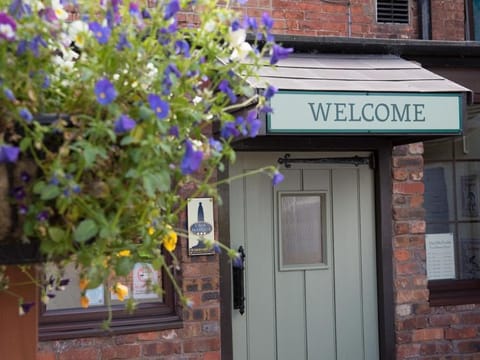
200 226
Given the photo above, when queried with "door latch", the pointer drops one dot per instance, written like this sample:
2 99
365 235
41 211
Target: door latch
238 282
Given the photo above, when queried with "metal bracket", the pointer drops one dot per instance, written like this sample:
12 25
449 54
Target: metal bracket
354 160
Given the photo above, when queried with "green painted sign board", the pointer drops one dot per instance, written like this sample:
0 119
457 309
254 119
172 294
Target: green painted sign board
365 112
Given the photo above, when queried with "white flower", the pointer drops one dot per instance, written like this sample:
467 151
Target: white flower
7 31
78 32
237 37
59 10
209 26
241 51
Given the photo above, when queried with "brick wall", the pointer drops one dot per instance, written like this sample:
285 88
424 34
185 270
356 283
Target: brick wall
199 339
422 332
448 20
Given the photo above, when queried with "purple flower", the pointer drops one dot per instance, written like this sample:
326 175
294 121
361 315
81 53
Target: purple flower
133 9
253 124
105 91
224 87
123 42
9 94
42 215
251 23
172 8
265 109
124 124
216 247
173 131
25 176
182 47
269 92
277 178
22 209
49 15
229 129
236 25
26 115
172 68
9 154
279 53
215 145
25 307
267 21
160 107
146 14
101 33
18 9
19 193
22 47
62 284
35 45
237 260
8 27
192 159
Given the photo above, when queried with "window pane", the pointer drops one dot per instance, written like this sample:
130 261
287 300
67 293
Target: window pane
468 190
301 229
469 251
438 197
140 282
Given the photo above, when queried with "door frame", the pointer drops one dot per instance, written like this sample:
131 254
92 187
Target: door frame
381 147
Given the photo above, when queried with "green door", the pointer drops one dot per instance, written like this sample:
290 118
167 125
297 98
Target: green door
310 279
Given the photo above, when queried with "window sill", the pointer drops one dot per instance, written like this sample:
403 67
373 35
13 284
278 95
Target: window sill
80 323
454 292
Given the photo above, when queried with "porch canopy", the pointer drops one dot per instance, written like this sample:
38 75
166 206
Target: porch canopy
344 94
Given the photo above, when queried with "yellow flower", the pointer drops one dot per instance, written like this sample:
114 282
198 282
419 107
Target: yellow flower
83 284
169 241
84 302
124 253
151 230
120 290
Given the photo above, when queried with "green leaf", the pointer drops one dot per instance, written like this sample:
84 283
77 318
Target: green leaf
49 192
90 153
25 143
124 266
85 230
56 234
38 187
153 182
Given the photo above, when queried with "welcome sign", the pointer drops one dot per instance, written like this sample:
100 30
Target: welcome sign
362 112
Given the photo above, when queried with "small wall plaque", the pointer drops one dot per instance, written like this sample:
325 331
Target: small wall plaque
200 225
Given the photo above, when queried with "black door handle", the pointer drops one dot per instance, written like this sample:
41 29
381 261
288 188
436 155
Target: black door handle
238 282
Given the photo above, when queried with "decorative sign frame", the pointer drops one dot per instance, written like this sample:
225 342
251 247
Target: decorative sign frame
200 225
317 112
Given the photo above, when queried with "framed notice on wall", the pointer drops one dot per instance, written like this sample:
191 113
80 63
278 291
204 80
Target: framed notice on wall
200 226
440 256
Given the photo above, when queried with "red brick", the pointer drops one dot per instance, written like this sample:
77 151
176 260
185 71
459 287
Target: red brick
46 355
427 334
212 355
401 254
412 296
161 348
408 268
408 351
80 353
121 352
148 336
461 333
418 322
471 346
408 188
444 319
201 345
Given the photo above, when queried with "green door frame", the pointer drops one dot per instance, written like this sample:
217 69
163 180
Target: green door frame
382 148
